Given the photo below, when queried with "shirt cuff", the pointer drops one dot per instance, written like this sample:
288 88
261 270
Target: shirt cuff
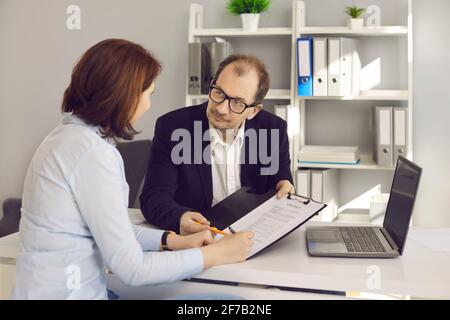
192 262
149 239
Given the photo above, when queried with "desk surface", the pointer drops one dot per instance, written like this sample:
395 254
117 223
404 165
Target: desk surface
420 272
189 288
9 246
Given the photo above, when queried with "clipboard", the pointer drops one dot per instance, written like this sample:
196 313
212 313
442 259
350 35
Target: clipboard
305 200
244 208
235 206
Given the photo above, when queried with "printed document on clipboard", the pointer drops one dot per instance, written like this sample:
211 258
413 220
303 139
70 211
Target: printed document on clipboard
276 218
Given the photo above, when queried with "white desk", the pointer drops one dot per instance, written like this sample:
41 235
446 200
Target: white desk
9 246
420 272
186 288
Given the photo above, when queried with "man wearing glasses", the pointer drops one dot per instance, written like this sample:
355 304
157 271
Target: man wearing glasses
231 143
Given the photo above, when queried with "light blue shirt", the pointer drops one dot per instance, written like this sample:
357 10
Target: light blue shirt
75 223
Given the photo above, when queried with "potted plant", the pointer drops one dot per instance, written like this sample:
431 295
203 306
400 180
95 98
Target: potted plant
249 11
354 12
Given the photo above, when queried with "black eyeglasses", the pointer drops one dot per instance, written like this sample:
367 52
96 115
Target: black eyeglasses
235 105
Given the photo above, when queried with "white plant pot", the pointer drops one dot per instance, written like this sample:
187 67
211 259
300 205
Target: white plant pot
250 21
355 23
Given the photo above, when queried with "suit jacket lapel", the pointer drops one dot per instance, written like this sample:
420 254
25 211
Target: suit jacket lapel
248 169
204 168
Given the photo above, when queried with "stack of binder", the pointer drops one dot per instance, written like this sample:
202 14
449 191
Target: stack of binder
204 60
329 155
390 128
321 185
328 66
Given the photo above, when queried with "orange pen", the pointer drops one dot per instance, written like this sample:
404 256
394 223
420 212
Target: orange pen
213 229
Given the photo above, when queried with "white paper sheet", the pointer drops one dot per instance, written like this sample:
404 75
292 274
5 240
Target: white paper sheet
275 218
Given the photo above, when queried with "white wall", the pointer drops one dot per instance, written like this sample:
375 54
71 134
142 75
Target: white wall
37 53
432 110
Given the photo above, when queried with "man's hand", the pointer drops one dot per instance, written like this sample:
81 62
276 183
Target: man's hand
284 187
193 222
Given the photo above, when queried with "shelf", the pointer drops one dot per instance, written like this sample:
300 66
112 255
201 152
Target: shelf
387 95
380 95
366 163
372 31
273 94
278 94
227 32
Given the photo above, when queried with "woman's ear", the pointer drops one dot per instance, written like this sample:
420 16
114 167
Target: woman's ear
254 111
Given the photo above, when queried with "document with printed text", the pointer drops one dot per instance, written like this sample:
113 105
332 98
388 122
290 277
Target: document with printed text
275 218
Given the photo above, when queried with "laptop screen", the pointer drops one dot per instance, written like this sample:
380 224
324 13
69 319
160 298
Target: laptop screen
401 201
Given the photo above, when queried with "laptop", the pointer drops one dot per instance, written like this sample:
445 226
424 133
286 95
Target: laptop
387 241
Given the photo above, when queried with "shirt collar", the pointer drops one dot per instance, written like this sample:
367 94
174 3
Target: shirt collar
216 136
70 118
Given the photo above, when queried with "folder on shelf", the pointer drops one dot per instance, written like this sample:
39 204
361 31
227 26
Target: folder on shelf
344 67
281 110
334 67
304 183
383 142
325 189
304 63
204 60
329 155
195 68
400 132
356 68
217 51
320 66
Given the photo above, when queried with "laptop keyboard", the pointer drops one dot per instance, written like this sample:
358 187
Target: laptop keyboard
361 239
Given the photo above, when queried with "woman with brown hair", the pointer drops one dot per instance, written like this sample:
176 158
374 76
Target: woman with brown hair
74 221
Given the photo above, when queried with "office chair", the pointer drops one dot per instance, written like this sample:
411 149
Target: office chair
11 216
136 155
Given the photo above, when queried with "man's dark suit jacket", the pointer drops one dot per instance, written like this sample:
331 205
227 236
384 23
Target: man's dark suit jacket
172 189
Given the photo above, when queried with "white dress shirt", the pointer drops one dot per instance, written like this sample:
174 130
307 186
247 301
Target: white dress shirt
75 223
225 162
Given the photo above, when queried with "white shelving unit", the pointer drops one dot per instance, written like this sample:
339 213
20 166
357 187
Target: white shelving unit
197 32
299 30
345 31
297 121
241 33
366 163
380 95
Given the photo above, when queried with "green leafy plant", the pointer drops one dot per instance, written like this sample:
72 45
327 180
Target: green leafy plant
237 7
354 11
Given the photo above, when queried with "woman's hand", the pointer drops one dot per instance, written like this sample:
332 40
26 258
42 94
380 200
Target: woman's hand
230 249
196 240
